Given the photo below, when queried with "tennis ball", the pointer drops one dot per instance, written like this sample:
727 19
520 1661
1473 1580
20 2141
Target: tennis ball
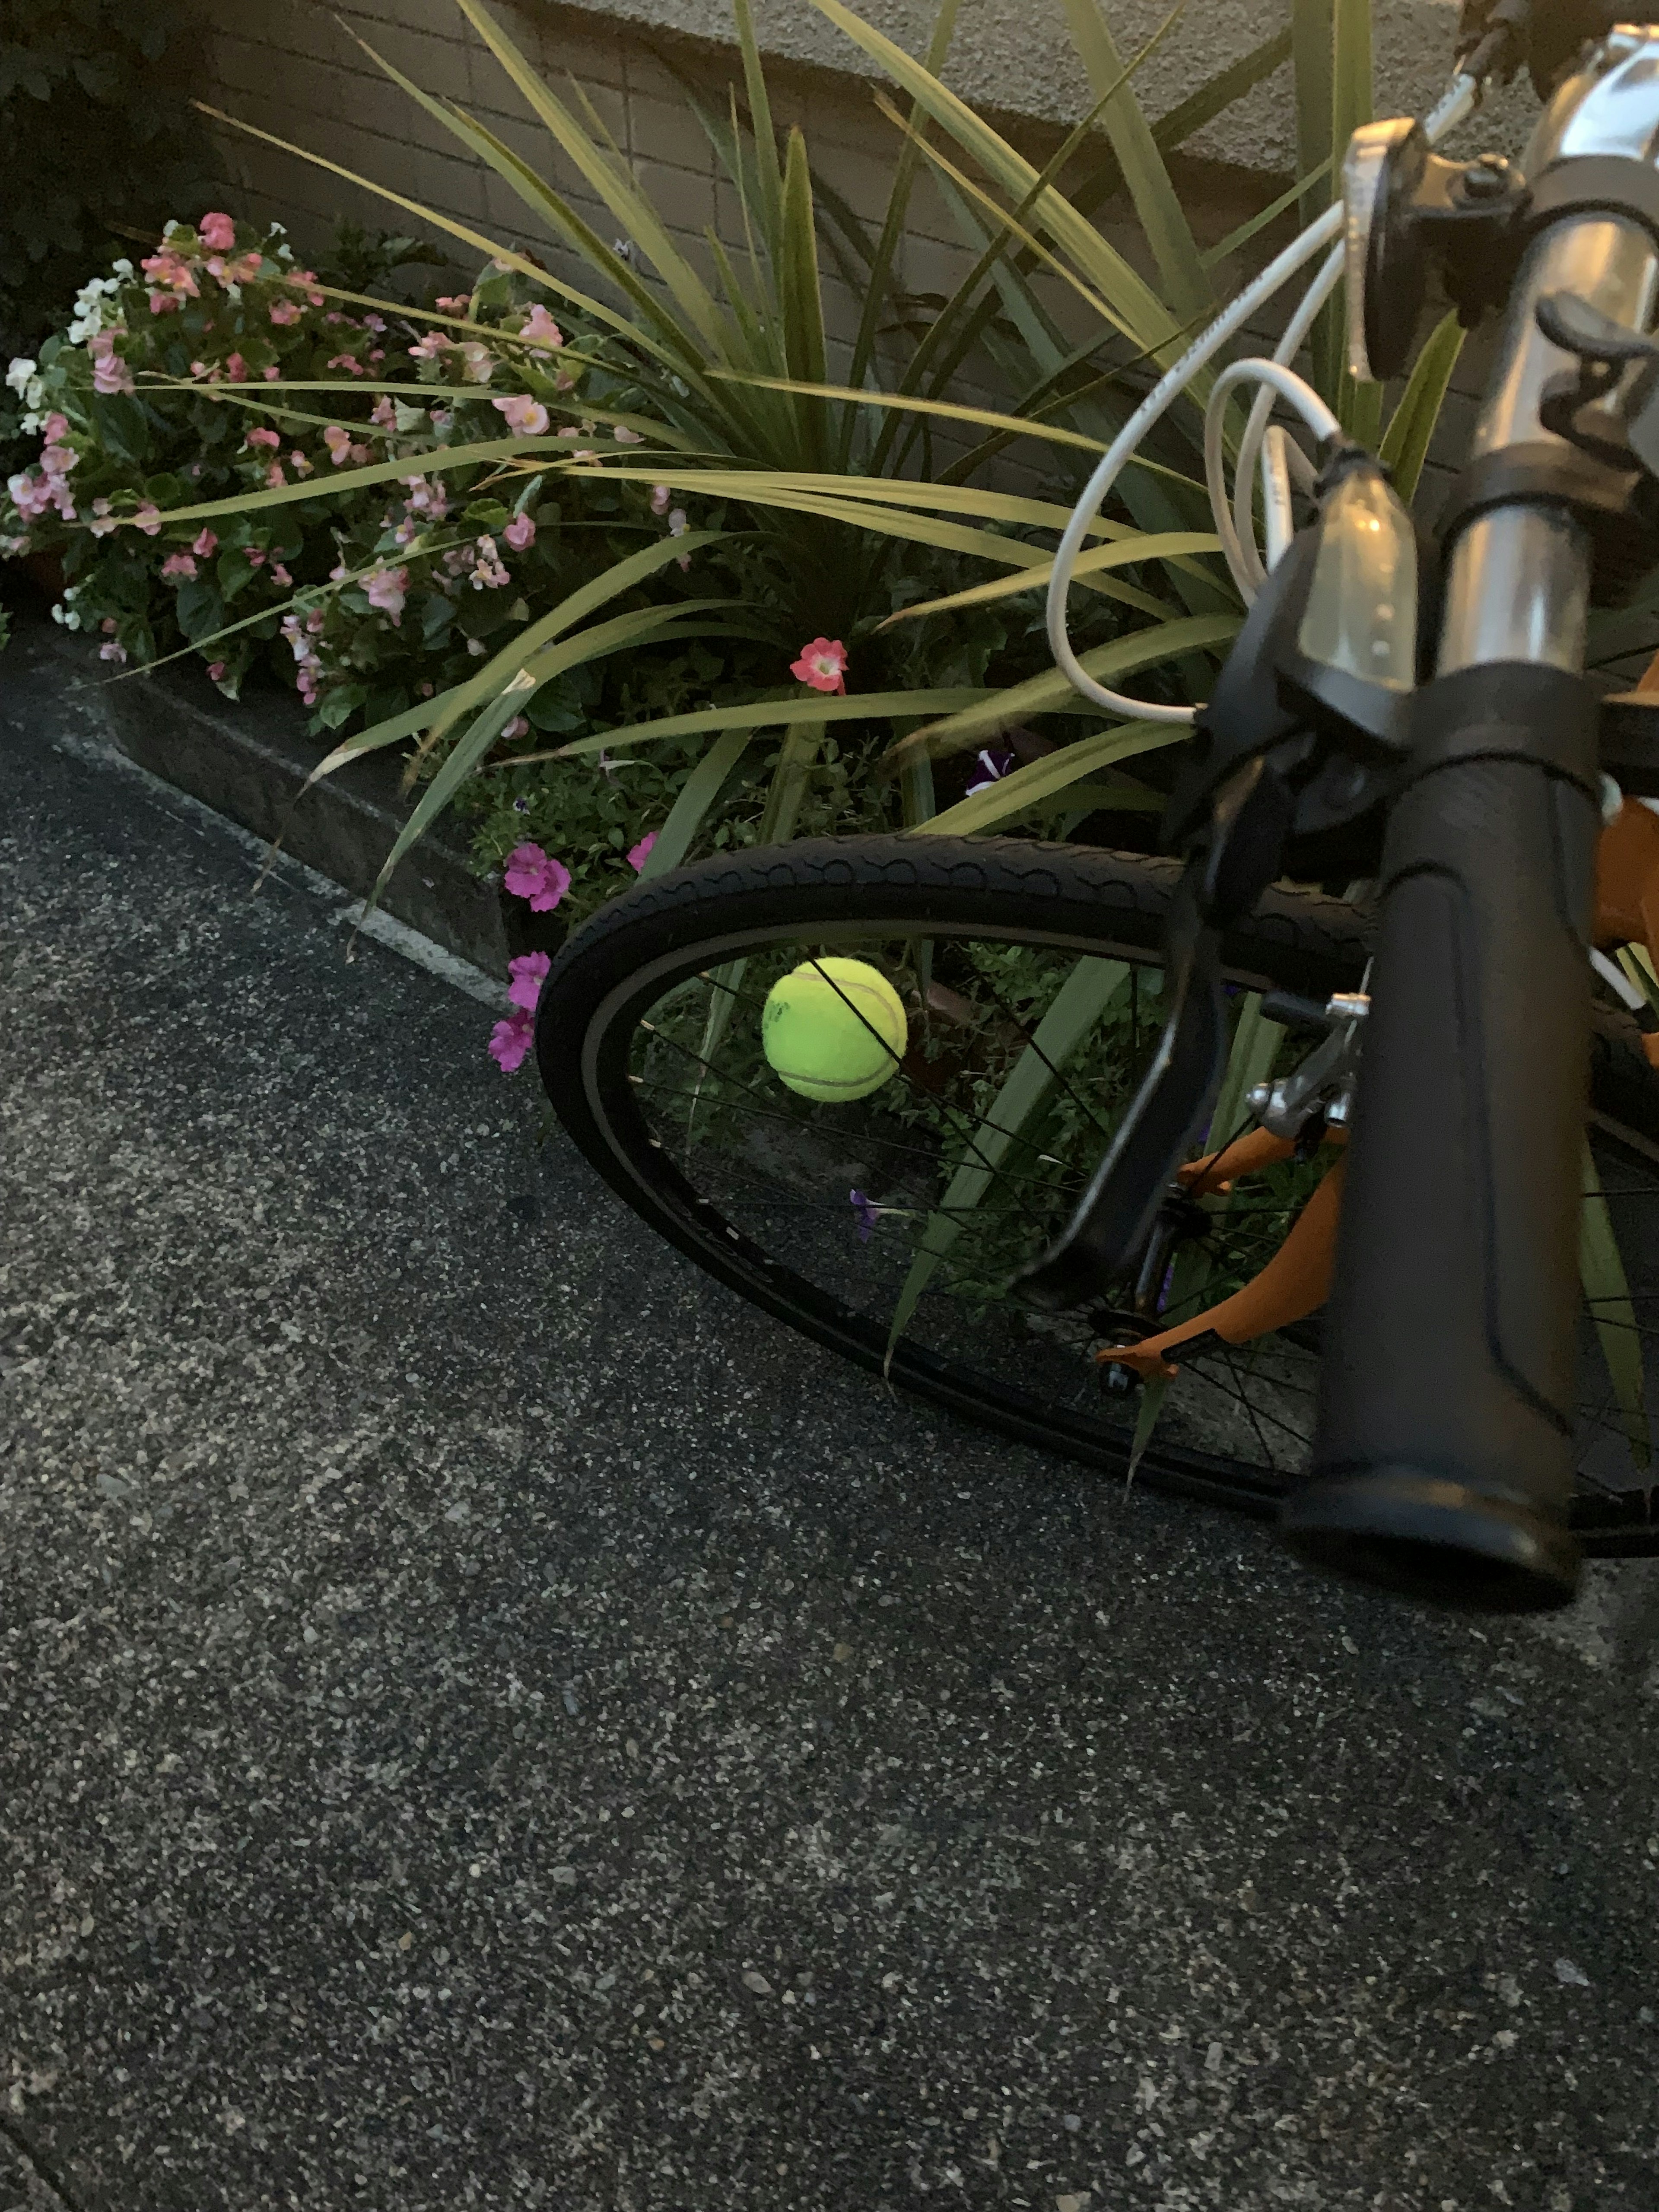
834 1028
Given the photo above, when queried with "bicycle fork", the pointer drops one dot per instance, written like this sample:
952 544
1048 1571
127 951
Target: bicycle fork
1442 1458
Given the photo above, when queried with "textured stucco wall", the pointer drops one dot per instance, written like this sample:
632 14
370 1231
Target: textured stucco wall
291 66
1016 55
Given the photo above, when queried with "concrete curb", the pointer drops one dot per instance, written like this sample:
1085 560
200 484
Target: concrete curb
250 761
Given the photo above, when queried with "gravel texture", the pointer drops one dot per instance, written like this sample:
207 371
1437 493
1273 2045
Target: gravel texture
485 1720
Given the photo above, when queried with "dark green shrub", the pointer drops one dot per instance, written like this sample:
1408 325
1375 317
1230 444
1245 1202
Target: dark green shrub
98 132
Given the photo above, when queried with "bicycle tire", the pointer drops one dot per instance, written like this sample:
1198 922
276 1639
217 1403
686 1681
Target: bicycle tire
1108 903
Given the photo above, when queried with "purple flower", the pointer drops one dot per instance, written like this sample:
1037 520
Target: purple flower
511 1040
529 973
866 1215
532 874
640 853
996 761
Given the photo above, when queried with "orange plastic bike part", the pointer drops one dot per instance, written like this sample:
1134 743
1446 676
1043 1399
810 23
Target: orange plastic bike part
1245 1156
1297 1280
1294 1283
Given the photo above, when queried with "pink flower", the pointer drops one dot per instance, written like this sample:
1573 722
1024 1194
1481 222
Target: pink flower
477 362
59 460
236 369
540 329
660 495
113 652
489 571
338 442
148 519
299 465
624 436
164 303
240 271
206 545
217 232
433 343
54 429
387 589
285 311
101 522
110 374
525 416
822 664
534 875
640 853
529 973
510 1040
281 575
216 669
30 494
520 534
180 564
263 438
169 272
272 374
255 556
517 727
384 414
345 361
374 322
274 477
457 305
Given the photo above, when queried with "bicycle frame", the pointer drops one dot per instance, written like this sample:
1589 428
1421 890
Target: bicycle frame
1441 1458
1447 1239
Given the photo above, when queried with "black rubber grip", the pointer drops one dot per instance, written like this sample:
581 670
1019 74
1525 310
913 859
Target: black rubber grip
1442 1460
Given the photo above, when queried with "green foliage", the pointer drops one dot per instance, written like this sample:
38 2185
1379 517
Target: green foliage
98 133
691 393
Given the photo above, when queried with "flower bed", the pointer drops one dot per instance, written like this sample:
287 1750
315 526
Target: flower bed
365 605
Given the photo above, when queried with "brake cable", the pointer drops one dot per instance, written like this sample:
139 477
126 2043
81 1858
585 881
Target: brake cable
1276 376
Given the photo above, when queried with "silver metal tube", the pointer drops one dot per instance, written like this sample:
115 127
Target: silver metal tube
1517 585
1517 588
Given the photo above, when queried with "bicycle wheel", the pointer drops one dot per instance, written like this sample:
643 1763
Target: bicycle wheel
889 1227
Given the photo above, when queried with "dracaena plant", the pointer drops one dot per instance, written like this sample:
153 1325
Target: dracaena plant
705 384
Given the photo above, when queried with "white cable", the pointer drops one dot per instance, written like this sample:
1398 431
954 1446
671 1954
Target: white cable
1461 98
1157 400
1278 514
1458 103
1238 542
1277 378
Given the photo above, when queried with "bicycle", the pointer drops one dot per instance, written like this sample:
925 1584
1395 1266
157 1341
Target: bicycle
1269 1197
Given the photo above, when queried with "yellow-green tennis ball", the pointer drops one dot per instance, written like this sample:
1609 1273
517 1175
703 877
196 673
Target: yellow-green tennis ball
834 1028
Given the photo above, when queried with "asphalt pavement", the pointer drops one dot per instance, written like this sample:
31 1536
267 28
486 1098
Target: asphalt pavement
486 1720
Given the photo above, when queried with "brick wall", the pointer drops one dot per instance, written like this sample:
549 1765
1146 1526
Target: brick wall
288 67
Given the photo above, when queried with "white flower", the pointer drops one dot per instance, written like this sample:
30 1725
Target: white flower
122 268
18 376
172 224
